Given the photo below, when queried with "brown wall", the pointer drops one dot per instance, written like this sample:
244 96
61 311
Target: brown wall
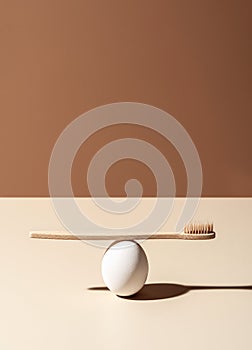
61 58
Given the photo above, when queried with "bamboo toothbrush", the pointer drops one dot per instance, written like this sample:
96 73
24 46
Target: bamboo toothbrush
191 232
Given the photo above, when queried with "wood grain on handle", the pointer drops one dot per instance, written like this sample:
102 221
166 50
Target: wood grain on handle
103 237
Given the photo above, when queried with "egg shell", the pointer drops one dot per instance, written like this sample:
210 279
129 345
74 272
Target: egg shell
125 268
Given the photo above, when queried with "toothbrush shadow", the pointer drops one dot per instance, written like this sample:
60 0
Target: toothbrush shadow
158 291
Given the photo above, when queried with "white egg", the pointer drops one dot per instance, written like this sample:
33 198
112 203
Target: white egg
124 268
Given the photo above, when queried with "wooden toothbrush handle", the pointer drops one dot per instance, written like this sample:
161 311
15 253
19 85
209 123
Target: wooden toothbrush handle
139 236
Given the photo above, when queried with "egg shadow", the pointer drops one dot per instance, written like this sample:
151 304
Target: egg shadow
159 291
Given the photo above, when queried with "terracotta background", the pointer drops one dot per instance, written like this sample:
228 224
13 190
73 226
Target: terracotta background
61 58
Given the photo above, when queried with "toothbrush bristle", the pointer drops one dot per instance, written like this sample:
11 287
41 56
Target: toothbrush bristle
199 228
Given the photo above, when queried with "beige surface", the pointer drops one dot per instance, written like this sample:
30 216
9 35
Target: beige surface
45 302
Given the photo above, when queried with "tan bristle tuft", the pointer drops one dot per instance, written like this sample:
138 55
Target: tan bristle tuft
198 228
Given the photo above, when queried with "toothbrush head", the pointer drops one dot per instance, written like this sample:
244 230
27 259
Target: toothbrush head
199 228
